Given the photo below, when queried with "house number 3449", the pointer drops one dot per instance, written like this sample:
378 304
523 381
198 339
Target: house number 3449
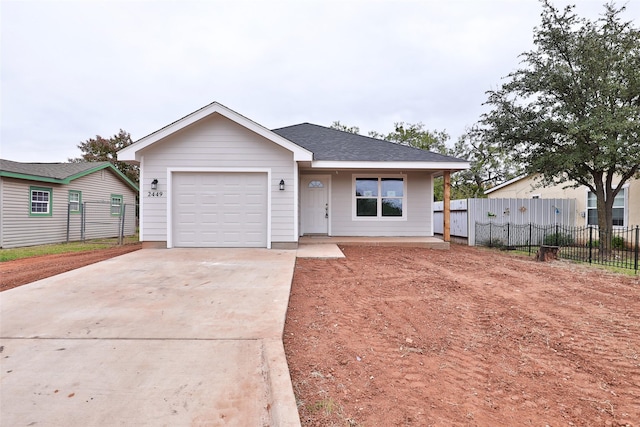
155 193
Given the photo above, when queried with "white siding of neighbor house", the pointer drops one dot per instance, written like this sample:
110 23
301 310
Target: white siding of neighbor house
216 143
418 202
21 229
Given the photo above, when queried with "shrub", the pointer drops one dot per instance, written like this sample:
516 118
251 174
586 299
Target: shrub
558 239
617 242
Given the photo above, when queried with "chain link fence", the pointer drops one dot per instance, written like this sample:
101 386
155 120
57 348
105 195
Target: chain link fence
621 247
101 221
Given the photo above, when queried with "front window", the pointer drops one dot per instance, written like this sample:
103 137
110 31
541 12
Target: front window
75 199
618 209
379 197
116 204
41 199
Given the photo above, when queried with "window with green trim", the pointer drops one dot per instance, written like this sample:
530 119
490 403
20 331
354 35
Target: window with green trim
116 204
75 200
41 199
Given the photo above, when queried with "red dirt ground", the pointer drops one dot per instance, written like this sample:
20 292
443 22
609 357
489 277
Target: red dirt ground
27 270
465 337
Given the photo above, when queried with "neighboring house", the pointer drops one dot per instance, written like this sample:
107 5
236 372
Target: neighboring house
217 179
626 206
44 203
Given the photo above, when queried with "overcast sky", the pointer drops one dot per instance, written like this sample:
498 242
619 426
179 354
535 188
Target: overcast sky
71 70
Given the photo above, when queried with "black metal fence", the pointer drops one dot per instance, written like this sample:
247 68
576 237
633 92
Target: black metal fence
620 248
101 220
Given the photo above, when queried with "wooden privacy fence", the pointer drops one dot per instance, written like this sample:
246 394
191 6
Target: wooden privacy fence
100 220
466 212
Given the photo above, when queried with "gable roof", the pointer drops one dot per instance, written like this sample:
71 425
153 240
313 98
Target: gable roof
336 145
131 153
57 173
321 146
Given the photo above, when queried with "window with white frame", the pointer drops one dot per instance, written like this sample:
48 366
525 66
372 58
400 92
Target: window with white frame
116 204
380 197
618 208
75 199
40 201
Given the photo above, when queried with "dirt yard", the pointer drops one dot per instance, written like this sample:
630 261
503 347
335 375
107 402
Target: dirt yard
27 270
466 337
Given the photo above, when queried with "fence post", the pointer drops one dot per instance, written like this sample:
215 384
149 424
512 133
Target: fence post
121 231
83 220
557 240
508 235
68 219
637 249
590 242
530 236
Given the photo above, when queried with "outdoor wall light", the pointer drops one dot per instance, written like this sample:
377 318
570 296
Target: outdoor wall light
282 185
154 184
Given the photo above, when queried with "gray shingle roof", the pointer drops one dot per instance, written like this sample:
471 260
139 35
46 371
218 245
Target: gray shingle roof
335 145
59 171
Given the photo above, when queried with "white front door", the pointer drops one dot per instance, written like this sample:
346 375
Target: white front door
315 204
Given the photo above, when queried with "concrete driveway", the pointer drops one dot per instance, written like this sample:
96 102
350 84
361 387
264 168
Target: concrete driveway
156 337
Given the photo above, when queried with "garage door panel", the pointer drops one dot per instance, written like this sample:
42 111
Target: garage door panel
220 209
210 218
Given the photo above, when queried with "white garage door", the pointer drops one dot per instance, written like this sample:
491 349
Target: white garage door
212 209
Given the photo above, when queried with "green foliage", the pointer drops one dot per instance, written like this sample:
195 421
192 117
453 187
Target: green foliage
100 149
415 135
617 242
559 239
31 251
490 165
62 248
339 126
572 112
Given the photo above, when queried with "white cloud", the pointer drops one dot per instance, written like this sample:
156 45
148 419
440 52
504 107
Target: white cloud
74 69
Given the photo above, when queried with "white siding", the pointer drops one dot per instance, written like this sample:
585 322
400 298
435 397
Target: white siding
216 142
418 207
21 229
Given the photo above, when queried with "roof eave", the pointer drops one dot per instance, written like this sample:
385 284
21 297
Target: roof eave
30 177
505 184
68 179
430 166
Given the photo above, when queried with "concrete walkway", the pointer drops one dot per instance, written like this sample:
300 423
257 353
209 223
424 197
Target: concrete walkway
179 337
415 242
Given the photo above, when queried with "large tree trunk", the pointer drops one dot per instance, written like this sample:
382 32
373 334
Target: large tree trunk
604 200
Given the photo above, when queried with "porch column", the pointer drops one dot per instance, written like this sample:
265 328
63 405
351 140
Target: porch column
447 207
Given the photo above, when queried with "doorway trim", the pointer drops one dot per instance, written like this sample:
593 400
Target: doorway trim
304 183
